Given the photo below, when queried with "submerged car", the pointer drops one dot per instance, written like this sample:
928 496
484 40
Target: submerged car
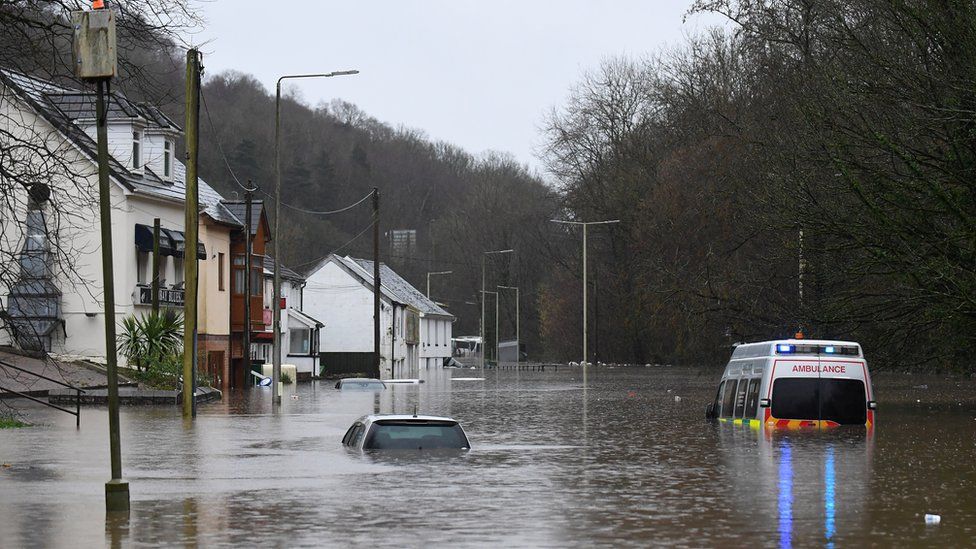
360 384
405 432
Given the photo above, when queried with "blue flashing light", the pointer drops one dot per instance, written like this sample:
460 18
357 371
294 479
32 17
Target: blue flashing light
829 349
784 348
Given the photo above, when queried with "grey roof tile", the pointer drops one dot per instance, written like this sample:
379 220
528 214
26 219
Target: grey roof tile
398 285
62 107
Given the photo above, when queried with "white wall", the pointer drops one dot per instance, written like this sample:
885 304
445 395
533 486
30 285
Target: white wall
153 150
345 306
78 235
435 338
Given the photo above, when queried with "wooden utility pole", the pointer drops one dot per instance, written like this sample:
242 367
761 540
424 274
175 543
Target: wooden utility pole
93 51
376 283
155 267
246 353
191 225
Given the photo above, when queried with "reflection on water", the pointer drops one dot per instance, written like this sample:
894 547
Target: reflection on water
554 462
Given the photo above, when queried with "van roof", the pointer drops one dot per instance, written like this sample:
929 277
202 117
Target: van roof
767 348
803 342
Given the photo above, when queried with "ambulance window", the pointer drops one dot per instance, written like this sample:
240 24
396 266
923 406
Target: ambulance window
796 398
752 398
843 401
740 398
716 408
729 398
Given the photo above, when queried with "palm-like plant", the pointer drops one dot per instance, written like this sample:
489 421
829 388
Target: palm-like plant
151 339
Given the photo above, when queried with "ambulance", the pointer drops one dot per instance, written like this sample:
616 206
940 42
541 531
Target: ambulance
795 383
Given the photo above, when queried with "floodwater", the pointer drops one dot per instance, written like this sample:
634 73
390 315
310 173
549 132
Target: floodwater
554 463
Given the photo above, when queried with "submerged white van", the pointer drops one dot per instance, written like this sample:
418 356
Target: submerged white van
795 383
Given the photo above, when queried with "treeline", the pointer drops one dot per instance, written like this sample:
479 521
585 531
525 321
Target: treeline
808 168
332 155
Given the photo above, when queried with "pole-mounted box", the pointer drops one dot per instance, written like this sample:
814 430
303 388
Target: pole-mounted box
93 47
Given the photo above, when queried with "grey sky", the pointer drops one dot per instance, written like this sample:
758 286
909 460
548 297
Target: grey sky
480 74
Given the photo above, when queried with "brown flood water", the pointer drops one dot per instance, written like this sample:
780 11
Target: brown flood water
618 462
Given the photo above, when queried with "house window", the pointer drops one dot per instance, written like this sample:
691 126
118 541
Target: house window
298 341
136 150
168 160
220 271
178 270
142 267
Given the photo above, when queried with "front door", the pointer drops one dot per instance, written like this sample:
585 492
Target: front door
215 366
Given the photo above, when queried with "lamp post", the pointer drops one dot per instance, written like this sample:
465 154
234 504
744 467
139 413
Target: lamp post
518 340
276 355
584 224
482 326
435 273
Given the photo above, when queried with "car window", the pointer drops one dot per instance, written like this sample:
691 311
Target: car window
357 434
348 437
414 435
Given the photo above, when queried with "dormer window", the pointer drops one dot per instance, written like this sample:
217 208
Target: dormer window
167 159
136 151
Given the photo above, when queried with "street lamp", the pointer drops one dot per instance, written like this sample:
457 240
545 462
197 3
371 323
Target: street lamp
435 273
483 256
584 224
276 355
518 340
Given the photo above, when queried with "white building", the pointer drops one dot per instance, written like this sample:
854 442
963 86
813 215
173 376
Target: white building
146 182
299 331
414 331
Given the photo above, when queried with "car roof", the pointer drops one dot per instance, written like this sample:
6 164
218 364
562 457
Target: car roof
381 417
360 380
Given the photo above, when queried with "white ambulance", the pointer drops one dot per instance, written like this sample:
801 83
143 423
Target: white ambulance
795 383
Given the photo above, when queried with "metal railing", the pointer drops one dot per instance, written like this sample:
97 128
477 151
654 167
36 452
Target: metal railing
78 390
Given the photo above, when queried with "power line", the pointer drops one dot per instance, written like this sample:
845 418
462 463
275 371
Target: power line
220 148
336 250
316 212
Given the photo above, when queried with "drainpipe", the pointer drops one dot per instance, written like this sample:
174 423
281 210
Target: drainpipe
393 341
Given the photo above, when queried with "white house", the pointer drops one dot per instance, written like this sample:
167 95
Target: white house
147 182
339 291
299 331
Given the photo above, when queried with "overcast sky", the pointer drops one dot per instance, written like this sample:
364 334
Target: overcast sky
478 73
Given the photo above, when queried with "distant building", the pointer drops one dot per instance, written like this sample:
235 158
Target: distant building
403 242
300 333
414 331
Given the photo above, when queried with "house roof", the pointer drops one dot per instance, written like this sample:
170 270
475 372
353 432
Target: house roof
269 264
354 270
239 209
304 318
64 108
398 285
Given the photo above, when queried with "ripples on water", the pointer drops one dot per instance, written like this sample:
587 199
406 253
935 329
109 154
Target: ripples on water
553 463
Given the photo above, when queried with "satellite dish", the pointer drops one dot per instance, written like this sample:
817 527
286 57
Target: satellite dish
265 382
